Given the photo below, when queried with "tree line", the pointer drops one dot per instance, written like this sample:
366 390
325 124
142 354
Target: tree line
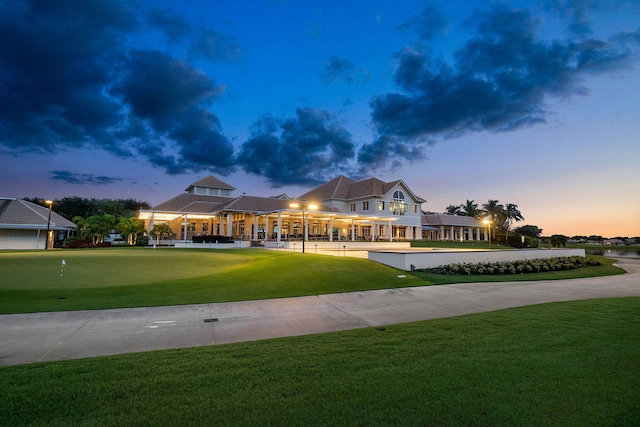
501 217
98 218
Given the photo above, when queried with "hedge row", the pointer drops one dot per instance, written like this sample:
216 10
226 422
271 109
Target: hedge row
515 267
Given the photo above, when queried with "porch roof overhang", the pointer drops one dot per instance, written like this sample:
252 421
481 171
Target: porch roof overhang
311 214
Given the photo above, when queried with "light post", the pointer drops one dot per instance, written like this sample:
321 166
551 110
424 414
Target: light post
488 222
304 207
46 241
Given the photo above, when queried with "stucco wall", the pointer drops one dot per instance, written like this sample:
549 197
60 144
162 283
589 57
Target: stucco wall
434 258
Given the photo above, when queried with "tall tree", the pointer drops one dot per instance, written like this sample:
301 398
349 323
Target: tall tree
130 227
470 208
494 212
511 214
453 210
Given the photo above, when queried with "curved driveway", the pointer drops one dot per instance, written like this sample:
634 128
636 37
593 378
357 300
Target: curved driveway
39 337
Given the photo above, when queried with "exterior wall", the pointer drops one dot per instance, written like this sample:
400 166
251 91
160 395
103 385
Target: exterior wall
434 258
22 239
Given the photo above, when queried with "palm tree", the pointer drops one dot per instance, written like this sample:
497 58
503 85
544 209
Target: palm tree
453 210
161 231
83 227
130 227
471 209
512 214
494 212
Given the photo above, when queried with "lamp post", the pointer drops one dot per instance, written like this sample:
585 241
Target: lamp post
46 241
304 207
488 222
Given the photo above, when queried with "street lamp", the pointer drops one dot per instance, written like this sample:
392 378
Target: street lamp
46 242
304 207
488 222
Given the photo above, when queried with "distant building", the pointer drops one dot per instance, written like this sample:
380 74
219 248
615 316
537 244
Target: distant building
339 210
23 225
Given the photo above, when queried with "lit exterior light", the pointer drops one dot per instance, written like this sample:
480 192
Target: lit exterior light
304 207
46 242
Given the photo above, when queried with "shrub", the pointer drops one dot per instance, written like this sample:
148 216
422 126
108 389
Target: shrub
517 267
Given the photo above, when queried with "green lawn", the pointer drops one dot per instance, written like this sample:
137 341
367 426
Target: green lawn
560 364
141 277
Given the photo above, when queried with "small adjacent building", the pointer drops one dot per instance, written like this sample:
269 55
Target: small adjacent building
342 209
24 225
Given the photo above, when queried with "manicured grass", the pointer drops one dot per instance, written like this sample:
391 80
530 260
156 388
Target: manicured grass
571 363
606 268
142 277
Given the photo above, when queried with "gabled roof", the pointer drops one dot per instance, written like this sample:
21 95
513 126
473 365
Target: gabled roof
437 220
182 203
262 205
20 214
343 188
337 188
211 182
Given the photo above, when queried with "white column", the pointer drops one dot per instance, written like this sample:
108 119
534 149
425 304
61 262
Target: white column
373 230
229 224
305 225
186 221
255 226
151 223
353 230
266 227
331 229
478 233
390 232
279 234
442 232
461 234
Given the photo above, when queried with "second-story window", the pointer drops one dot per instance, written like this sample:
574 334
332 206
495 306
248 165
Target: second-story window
398 205
365 206
353 207
381 205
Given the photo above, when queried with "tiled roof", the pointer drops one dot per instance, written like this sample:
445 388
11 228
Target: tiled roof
15 213
182 202
262 204
436 220
337 188
343 188
211 182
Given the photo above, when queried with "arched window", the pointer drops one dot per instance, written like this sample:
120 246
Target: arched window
398 205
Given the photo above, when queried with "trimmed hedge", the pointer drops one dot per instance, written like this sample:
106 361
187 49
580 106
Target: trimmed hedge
211 239
515 267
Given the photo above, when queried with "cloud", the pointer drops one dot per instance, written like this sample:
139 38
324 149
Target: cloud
306 149
428 24
501 79
337 68
69 177
213 45
169 22
69 78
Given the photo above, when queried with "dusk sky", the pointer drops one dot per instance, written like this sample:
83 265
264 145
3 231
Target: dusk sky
535 103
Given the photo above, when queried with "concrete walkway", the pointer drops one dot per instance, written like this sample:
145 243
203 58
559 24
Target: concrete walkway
39 337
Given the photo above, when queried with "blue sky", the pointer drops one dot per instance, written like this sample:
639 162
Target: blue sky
533 103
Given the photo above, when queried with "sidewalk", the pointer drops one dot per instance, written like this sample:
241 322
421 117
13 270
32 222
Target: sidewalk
39 337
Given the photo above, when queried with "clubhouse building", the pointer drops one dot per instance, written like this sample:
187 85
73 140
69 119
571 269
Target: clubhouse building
342 210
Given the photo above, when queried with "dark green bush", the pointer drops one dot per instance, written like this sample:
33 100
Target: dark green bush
516 267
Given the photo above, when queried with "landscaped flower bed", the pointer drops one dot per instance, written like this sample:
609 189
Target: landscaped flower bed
514 267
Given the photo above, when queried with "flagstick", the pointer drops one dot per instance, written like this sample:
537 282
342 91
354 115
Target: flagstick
62 268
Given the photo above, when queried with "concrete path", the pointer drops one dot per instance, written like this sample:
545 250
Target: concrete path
39 337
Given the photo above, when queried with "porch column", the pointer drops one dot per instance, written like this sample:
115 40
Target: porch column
373 230
478 233
229 224
306 228
255 226
152 222
279 234
266 227
221 225
353 230
331 229
486 237
184 227
442 232
461 234
390 232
